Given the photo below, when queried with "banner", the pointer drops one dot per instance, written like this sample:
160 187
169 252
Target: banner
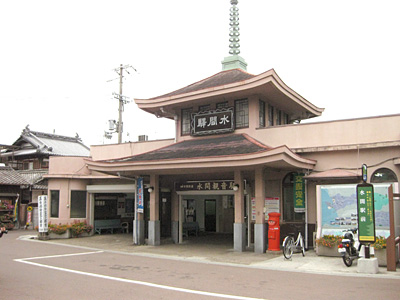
42 211
140 199
299 193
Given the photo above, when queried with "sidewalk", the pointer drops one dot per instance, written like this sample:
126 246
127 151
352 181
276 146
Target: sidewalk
220 253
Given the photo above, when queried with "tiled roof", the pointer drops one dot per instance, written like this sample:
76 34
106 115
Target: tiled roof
8 176
221 78
33 176
39 143
233 144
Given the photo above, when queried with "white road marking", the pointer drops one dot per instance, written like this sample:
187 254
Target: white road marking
149 284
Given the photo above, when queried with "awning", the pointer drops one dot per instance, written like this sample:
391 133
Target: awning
333 174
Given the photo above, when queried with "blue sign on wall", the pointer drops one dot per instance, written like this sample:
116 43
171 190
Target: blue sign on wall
140 198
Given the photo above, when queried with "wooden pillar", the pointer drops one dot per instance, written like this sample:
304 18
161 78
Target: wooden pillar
260 234
239 227
154 199
239 198
154 222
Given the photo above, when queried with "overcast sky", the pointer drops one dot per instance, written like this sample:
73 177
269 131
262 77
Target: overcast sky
57 58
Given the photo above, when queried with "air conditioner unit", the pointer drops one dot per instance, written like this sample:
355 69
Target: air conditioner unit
143 138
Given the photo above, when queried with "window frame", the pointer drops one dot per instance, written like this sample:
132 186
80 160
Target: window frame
241 113
78 214
270 115
186 119
220 105
261 113
54 202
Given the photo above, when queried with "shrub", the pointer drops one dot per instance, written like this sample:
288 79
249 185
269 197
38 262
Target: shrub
329 240
380 242
77 228
58 229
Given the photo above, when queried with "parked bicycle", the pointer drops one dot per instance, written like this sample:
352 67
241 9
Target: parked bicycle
289 245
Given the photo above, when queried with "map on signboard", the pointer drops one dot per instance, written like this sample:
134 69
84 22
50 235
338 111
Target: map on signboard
339 206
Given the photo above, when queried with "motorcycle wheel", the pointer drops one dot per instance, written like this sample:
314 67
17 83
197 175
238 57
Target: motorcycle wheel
347 260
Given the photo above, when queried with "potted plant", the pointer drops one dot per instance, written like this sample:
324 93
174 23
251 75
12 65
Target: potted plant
59 231
380 250
79 228
327 245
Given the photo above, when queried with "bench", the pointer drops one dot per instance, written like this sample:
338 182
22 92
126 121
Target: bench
108 225
190 227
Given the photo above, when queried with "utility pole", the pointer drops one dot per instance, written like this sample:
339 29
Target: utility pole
113 125
121 105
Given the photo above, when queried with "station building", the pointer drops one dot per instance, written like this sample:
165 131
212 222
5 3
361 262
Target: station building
240 152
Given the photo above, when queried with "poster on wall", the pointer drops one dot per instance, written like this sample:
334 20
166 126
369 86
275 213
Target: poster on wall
253 209
271 205
338 208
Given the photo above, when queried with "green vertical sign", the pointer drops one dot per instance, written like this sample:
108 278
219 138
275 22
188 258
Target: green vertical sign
299 195
366 213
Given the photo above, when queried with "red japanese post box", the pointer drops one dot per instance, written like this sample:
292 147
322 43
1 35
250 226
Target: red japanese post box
274 232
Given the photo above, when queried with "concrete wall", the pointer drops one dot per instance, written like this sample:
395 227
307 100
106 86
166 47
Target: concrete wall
65 186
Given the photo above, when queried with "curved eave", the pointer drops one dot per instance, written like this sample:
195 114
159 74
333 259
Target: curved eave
267 84
279 158
74 176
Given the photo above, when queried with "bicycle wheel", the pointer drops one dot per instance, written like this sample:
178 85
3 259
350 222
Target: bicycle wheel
288 247
303 249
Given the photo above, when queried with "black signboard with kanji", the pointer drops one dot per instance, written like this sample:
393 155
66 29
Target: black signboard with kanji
212 122
212 185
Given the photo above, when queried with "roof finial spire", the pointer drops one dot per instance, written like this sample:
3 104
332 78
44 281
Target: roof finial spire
234 61
234 30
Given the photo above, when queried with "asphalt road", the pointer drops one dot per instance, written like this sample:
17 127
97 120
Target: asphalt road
36 270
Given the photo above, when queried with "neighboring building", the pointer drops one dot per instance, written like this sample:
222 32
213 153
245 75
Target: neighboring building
239 151
27 160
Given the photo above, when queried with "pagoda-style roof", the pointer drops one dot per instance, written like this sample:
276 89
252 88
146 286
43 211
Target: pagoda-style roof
207 154
232 84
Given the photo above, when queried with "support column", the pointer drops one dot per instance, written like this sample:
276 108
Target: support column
239 227
139 230
154 222
175 217
260 228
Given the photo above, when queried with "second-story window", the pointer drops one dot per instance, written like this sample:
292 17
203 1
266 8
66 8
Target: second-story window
242 113
206 107
261 113
286 118
222 104
185 121
270 115
278 117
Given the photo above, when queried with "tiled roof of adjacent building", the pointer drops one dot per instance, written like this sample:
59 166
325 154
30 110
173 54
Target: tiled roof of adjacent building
39 143
8 176
226 145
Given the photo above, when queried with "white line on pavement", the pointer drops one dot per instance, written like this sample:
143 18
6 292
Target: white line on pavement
149 284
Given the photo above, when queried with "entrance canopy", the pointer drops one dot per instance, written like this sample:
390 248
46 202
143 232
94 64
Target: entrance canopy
220 153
